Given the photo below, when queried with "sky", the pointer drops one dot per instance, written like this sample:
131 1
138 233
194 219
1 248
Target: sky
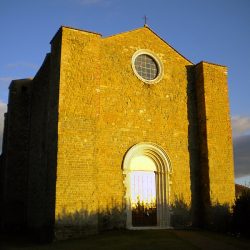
215 31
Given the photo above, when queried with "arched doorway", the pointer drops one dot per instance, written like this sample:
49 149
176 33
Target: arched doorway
147 173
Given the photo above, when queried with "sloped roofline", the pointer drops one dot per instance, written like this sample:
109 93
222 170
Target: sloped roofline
147 27
72 28
87 31
216 64
22 80
121 33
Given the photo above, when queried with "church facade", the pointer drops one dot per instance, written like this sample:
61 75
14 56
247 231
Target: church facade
112 133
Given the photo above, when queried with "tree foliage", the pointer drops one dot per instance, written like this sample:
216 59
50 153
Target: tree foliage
241 214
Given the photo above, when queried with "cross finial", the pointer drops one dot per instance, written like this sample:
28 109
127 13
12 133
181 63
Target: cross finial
145 21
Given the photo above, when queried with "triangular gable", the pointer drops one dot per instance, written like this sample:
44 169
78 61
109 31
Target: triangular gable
155 34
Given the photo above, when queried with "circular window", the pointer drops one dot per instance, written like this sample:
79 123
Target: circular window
147 66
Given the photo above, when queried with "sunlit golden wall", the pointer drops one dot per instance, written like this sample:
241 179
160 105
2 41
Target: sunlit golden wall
77 168
216 133
104 109
132 111
88 108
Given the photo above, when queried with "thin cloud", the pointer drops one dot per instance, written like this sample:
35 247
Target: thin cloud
7 79
86 3
241 143
89 2
3 109
21 65
241 125
242 156
4 84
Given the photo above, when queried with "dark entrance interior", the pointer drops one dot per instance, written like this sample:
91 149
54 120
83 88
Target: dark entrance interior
142 216
144 209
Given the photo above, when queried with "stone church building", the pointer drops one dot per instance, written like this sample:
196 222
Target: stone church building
115 132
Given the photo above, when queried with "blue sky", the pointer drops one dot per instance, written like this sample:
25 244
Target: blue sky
215 31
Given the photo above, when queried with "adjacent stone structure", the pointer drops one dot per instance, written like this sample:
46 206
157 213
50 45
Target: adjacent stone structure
100 109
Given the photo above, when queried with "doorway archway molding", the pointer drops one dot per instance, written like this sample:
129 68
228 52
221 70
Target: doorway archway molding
163 171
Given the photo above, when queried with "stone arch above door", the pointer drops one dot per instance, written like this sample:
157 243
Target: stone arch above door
147 156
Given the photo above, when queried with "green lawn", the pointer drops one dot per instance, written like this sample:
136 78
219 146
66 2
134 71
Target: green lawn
129 240
239 243
121 240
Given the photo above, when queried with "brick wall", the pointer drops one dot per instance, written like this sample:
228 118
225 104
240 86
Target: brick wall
104 109
15 156
216 158
66 139
39 193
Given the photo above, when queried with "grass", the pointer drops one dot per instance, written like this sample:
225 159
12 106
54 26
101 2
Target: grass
238 242
120 240
128 240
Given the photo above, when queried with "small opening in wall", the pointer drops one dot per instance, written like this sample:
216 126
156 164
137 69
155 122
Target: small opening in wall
24 89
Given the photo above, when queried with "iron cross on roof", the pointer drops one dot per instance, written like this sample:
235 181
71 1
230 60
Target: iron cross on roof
145 21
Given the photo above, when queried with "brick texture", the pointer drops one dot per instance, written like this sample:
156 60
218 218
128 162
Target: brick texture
88 108
104 109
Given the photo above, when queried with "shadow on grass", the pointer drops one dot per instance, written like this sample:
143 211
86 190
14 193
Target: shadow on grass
82 223
119 239
181 214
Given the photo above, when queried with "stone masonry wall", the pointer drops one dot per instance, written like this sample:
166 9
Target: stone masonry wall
38 194
215 134
104 109
76 186
69 129
132 112
16 153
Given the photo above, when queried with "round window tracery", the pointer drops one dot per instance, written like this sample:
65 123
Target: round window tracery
147 67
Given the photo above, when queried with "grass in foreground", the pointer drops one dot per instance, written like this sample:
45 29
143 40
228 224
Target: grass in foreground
237 242
122 240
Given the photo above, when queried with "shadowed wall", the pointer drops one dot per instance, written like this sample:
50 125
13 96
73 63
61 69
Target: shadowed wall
86 107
